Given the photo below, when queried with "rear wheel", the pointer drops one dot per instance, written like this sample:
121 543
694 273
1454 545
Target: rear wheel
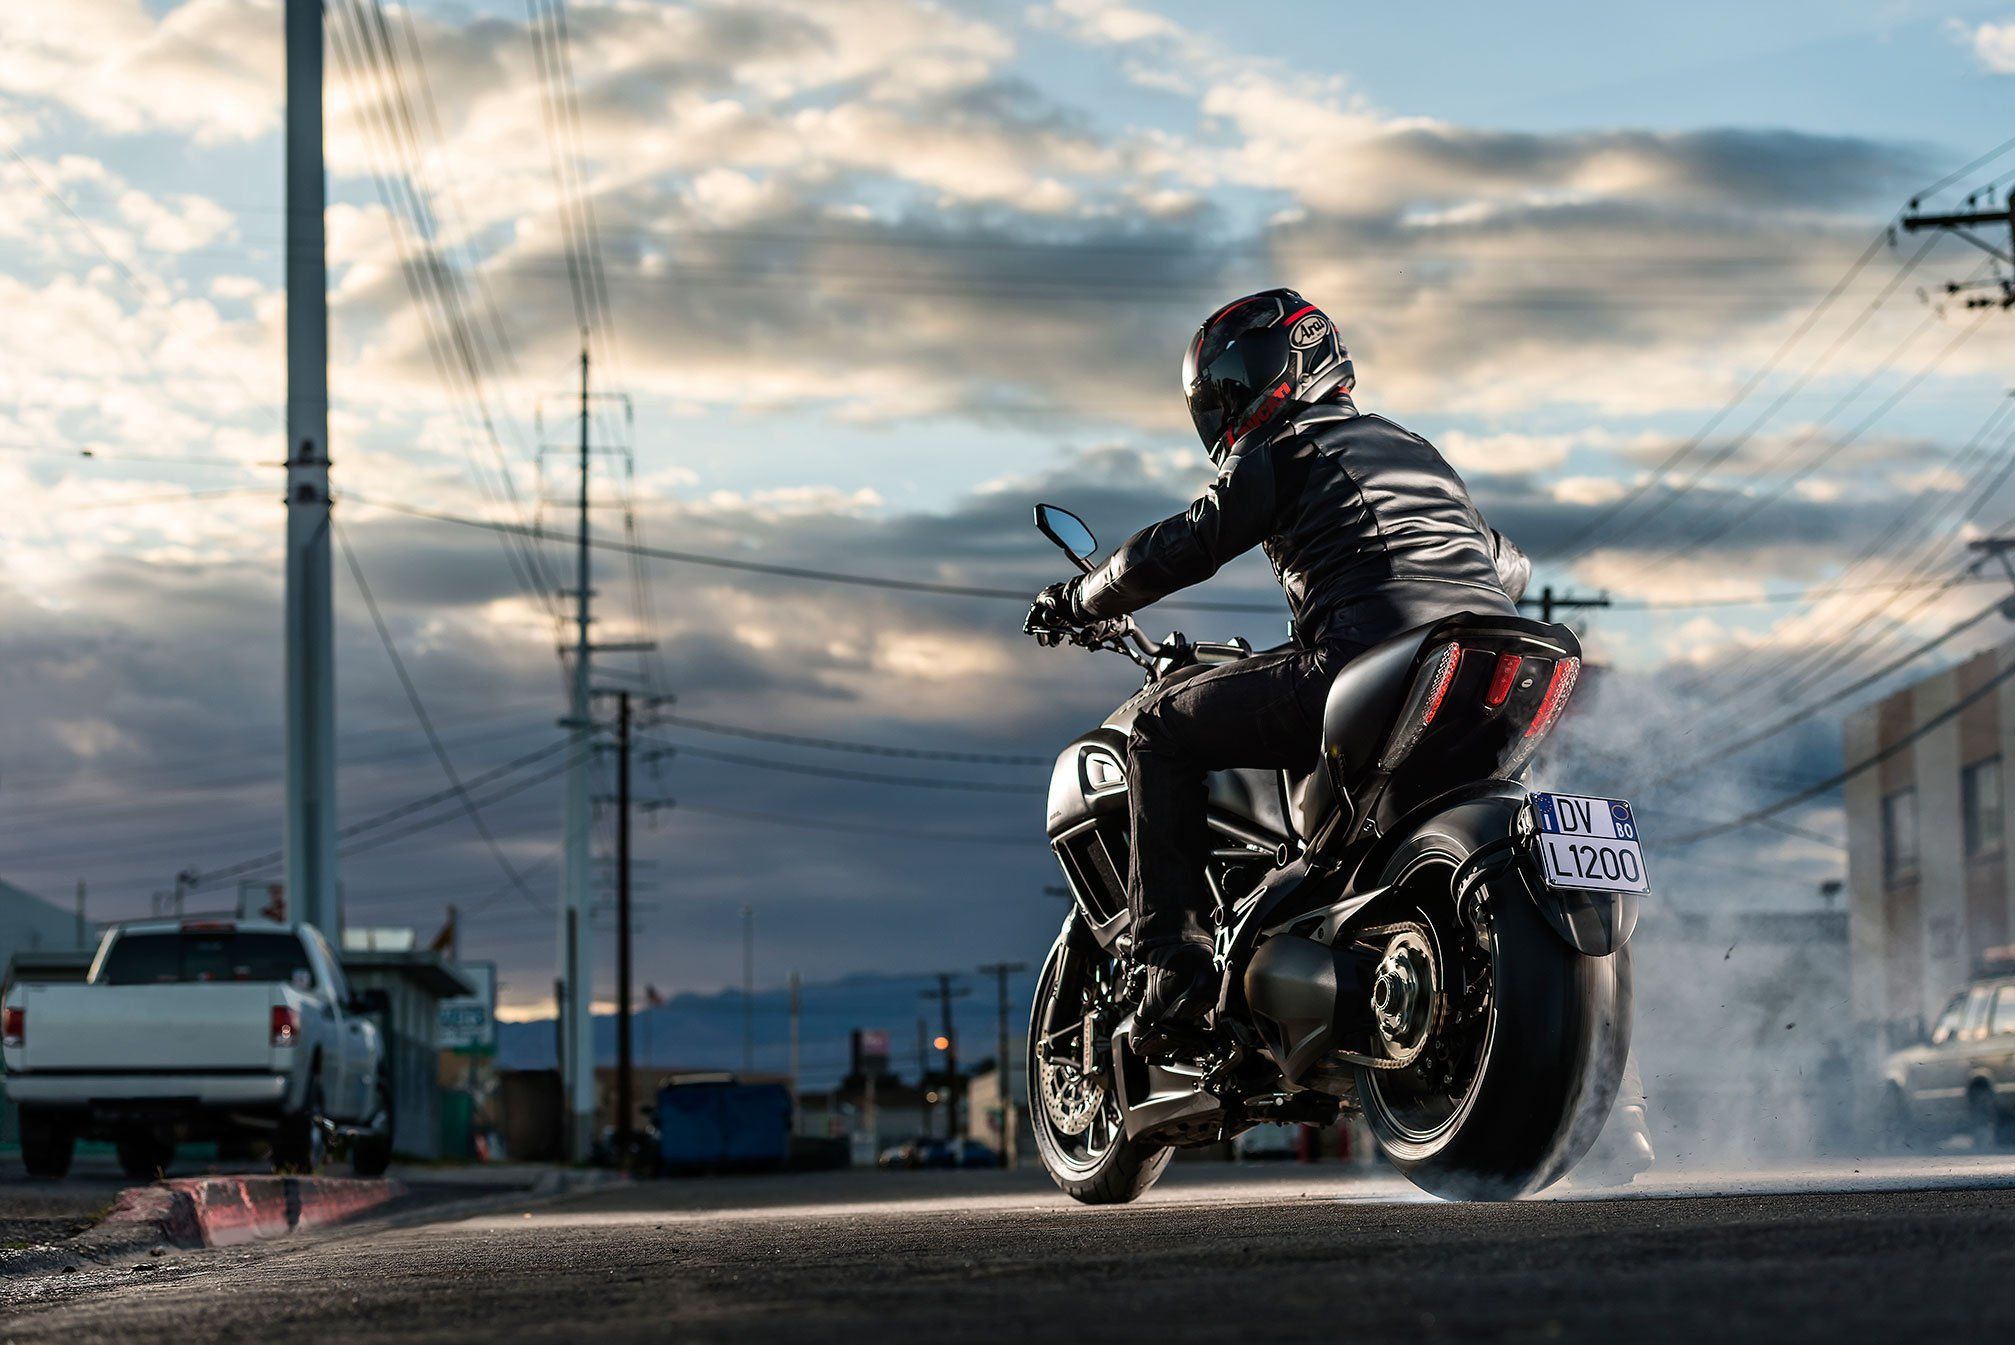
1074 1109
1524 1042
1984 1121
48 1139
300 1142
371 1152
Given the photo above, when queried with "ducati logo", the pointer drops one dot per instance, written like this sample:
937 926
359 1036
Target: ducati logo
1309 331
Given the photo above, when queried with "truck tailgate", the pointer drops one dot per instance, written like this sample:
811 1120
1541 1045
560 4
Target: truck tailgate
114 1028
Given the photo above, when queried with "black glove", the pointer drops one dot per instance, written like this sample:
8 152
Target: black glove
1055 610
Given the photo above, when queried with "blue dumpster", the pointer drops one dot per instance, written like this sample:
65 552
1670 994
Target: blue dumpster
723 1123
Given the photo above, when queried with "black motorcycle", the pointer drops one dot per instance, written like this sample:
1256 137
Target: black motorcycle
1402 929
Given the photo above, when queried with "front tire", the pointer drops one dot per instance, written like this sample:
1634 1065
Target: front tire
1076 1115
1505 1103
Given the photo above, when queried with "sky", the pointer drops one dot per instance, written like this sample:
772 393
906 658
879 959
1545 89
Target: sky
881 274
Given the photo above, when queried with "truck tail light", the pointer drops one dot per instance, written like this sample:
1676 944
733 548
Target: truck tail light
14 1027
286 1025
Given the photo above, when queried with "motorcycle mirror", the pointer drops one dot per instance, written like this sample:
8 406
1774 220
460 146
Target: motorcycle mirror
1067 530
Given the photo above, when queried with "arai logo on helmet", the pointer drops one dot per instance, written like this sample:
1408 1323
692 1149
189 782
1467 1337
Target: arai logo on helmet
1309 331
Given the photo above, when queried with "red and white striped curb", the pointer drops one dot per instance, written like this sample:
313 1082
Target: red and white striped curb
222 1211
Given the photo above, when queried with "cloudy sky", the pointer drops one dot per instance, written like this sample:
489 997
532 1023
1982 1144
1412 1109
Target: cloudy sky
878 275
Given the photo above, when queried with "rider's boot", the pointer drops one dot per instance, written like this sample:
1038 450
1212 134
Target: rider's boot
1179 985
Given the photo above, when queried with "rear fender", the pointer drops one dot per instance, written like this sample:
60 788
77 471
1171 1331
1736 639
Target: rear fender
1489 828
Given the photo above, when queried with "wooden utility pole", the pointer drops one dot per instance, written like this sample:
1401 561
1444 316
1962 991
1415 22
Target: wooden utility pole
1961 224
1003 1068
1548 602
944 995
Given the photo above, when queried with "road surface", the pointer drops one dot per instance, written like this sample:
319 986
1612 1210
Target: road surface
1922 1251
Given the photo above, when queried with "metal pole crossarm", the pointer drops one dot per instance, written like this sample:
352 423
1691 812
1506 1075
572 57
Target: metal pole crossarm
1961 221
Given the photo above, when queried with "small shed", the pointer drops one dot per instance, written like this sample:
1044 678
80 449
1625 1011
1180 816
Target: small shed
415 982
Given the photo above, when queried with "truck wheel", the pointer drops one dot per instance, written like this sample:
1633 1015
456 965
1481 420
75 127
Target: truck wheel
371 1153
144 1154
299 1142
47 1141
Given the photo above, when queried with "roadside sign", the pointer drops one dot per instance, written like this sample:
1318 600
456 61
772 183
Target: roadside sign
468 1023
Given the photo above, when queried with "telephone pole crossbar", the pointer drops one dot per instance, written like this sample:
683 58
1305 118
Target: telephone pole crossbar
1961 224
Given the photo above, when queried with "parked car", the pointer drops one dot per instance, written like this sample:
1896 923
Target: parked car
1961 1077
921 1152
972 1153
199 1029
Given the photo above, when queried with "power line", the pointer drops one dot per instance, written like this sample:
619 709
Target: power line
844 745
1833 782
427 724
1834 698
1580 542
858 777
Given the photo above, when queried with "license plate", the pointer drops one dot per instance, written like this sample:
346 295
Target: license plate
1589 843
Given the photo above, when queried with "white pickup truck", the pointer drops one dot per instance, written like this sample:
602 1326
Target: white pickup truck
199 1029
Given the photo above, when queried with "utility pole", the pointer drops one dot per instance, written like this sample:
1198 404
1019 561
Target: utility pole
625 1102
1961 224
1548 602
83 925
309 828
944 995
797 1009
577 1060
1003 1070
748 989
924 1073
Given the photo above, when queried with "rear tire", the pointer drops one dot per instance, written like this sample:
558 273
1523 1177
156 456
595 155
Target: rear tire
47 1143
1983 1118
1545 1071
298 1144
1099 1165
371 1154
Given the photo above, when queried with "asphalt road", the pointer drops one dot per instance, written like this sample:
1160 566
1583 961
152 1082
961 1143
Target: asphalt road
1922 1251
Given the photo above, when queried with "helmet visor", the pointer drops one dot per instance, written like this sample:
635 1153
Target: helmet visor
1224 391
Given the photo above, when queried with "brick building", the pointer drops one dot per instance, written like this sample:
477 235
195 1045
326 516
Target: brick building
1926 829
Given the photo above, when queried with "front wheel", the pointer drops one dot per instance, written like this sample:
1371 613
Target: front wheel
1527 1041
371 1152
1073 1106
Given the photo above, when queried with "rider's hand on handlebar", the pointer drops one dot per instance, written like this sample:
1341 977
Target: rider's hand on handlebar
1053 614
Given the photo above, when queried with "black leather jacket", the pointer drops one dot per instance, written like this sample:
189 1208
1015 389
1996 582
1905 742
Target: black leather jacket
1369 529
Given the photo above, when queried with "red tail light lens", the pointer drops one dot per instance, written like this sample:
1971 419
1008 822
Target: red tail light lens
1558 689
286 1025
1430 688
1451 659
14 1027
1501 678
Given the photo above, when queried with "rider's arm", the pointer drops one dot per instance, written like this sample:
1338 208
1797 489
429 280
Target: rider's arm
1235 514
1514 567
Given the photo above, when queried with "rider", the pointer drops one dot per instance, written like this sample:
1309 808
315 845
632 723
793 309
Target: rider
1370 533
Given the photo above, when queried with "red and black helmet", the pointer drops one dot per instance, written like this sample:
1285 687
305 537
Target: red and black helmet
1252 358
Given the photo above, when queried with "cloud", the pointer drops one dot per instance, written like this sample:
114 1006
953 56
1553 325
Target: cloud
1994 46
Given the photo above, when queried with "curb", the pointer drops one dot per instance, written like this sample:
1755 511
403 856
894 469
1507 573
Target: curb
191 1212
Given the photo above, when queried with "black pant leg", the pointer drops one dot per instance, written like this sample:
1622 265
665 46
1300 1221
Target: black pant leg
1261 712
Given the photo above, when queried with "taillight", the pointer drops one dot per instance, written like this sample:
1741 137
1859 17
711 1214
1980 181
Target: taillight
1558 689
1443 675
1430 688
14 1027
286 1025
1501 678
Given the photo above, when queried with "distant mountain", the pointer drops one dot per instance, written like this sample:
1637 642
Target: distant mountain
704 1031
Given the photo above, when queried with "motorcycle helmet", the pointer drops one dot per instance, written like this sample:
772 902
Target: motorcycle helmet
1254 356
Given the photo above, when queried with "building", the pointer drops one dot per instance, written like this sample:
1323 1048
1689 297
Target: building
1926 860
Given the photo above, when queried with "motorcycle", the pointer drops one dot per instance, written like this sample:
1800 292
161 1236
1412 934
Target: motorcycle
1403 929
